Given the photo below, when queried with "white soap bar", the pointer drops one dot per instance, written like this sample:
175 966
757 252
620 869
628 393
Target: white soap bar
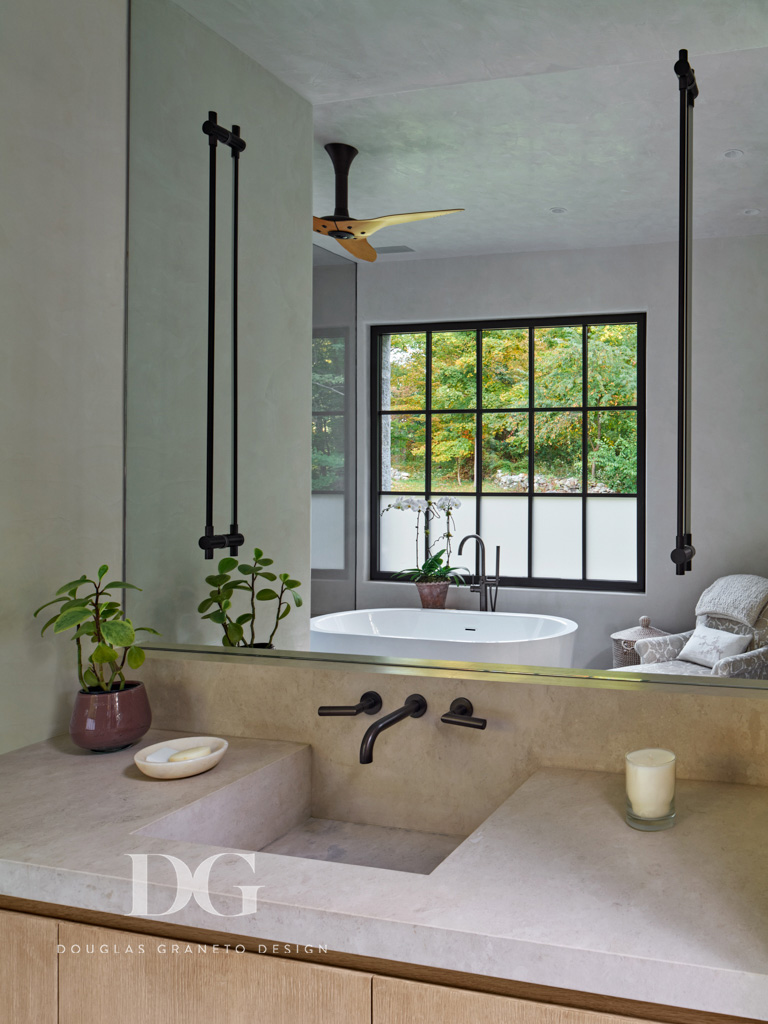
190 754
162 755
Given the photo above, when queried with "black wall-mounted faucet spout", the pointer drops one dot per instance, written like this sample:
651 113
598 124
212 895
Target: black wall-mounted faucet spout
414 707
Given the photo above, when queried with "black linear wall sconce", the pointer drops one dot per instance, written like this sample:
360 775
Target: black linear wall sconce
684 549
234 539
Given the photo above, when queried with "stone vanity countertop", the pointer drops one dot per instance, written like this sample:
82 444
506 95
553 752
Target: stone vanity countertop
553 888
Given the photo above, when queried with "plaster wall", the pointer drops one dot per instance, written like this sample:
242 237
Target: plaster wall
63 74
730 414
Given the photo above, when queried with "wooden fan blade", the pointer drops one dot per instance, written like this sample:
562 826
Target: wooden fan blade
359 247
367 227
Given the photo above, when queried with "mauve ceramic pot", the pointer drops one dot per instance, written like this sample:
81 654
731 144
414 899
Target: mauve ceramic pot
103 722
433 595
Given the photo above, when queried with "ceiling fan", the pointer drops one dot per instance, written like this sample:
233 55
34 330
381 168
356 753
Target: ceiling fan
350 233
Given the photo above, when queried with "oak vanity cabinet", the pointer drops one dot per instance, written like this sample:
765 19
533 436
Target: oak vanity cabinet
27 969
396 1001
140 979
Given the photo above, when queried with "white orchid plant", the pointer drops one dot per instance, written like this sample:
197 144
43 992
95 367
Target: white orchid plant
435 569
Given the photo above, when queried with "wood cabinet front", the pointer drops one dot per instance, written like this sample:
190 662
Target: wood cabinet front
127 977
27 969
406 1002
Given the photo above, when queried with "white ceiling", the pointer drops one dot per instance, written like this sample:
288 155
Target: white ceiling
509 108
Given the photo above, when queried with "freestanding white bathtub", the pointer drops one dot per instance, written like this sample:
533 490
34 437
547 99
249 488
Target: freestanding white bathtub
505 638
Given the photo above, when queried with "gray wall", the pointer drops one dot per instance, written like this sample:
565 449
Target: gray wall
62 167
730 411
180 71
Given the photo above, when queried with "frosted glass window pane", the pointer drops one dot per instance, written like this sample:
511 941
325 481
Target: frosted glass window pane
463 521
557 538
327 531
611 538
505 522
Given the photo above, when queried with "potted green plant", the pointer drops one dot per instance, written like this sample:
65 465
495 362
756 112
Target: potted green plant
435 575
433 578
241 631
110 711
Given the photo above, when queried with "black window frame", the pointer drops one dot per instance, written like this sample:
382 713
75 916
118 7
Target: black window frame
530 324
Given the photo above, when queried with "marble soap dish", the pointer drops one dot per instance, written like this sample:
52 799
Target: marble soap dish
153 760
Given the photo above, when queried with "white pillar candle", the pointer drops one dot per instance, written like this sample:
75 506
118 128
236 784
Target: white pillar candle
650 782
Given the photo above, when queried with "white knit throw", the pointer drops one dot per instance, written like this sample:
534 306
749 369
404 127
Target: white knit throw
741 597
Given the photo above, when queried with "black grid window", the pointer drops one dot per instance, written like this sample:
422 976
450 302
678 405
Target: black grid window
538 428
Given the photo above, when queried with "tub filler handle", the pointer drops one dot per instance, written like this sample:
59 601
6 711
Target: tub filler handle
370 704
461 714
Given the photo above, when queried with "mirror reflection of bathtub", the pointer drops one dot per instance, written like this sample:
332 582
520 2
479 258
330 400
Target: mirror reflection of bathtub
500 638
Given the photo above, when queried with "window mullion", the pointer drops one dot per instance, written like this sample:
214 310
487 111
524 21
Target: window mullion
531 426
584 447
428 437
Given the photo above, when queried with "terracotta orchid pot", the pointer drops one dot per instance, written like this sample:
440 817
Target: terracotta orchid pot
433 595
106 721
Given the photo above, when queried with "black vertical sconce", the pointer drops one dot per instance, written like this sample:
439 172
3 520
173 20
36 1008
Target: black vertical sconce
684 549
234 539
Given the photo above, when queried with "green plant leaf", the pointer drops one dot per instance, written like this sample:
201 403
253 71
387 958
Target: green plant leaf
66 620
218 617
297 599
257 553
235 633
103 570
74 583
266 561
48 623
268 575
292 584
242 619
135 657
227 564
87 629
48 604
119 633
90 677
146 629
217 581
121 585
81 602
225 641
283 576
103 654
246 570
266 595
284 612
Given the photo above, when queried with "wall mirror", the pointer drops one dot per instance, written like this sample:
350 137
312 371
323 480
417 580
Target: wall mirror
562 151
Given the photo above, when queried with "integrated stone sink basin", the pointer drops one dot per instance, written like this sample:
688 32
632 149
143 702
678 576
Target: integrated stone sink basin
270 811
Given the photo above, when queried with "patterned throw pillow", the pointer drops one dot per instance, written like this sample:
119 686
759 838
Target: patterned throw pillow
708 646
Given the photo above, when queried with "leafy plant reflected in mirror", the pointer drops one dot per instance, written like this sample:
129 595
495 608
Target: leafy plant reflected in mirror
220 598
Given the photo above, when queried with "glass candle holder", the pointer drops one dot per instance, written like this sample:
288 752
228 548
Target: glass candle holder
650 789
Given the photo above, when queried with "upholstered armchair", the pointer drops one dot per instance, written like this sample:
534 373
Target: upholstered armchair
733 604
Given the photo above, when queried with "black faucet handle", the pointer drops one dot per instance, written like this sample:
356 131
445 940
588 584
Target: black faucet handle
370 704
461 714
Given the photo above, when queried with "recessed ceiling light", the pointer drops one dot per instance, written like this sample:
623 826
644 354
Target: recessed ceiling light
733 154
752 213
557 209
